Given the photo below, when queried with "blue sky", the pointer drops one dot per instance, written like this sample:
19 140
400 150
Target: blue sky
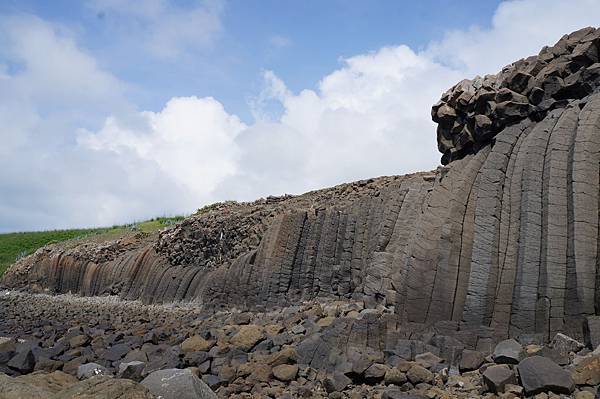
114 111
301 41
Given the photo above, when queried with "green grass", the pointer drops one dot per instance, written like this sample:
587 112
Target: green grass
14 246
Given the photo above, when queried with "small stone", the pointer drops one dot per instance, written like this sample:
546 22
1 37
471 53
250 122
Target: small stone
584 395
285 372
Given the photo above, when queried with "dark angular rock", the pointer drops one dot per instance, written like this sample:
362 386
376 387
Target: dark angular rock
508 352
564 344
23 362
540 374
336 382
471 360
497 377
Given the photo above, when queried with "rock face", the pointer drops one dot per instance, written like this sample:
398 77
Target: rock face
500 242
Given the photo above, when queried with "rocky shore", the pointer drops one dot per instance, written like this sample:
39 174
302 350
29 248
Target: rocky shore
67 346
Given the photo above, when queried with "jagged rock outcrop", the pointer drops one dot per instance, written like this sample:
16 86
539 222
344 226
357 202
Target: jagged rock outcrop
502 241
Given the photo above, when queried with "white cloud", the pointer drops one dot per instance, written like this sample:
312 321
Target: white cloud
191 140
75 152
163 28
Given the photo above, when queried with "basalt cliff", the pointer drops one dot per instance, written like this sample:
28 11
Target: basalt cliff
503 238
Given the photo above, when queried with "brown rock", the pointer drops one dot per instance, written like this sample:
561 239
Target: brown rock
285 372
196 344
247 337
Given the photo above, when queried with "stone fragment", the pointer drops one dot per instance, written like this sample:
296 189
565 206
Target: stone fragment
133 370
79 340
508 352
196 344
23 362
395 377
336 382
564 344
285 372
587 371
376 372
471 360
247 337
177 384
540 374
428 360
89 370
418 374
497 377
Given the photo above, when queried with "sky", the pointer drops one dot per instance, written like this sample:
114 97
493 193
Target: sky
114 111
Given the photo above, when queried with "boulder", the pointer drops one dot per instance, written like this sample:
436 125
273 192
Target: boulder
428 360
418 374
196 344
285 372
394 376
564 344
23 362
79 340
53 382
376 372
540 374
470 360
89 370
508 352
177 384
131 370
587 371
336 382
497 377
247 337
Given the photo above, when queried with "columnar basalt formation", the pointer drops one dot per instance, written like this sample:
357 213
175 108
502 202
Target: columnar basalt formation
504 238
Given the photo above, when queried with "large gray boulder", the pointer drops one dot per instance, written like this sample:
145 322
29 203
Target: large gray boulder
177 384
508 352
540 374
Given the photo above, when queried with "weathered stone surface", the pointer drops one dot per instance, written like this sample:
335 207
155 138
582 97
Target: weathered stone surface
247 337
565 344
540 374
104 387
418 374
196 344
470 360
497 377
591 331
587 371
89 370
177 384
24 361
131 370
508 351
336 382
285 372
394 376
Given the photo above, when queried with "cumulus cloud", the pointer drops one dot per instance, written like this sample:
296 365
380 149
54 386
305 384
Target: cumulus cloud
76 152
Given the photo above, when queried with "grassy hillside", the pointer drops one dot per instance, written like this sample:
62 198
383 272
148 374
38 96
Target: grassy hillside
16 245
